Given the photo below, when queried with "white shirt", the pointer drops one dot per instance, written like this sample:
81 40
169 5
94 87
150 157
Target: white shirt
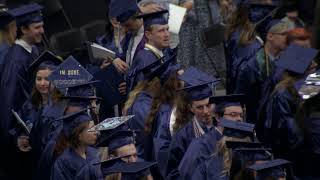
24 44
133 45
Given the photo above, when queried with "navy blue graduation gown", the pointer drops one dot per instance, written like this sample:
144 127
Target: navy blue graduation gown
140 108
198 151
250 81
15 85
162 137
71 166
4 48
178 146
281 131
210 169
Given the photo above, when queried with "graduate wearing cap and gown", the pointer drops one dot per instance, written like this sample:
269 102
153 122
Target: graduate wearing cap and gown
128 170
79 160
198 91
6 18
125 12
157 47
261 66
213 166
280 129
16 78
200 149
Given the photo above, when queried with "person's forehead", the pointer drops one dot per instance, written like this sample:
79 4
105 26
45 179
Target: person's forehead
234 108
201 102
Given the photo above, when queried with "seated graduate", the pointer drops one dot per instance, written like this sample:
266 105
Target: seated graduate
120 143
198 89
300 36
79 160
308 115
157 47
230 107
119 169
280 129
232 153
8 33
270 170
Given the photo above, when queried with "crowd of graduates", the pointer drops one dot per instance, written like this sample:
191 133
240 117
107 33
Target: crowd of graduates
144 115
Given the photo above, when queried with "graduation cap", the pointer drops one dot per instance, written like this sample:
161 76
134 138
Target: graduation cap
73 120
228 100
122 10
46 60
164 70
128 170
296 58
258 12
5 18
273 168
116 139
28 14
252 154
69 73
241 144
198 84
154 18
277 26
237 129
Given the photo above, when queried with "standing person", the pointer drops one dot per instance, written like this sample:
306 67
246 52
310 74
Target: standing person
261 66
198 93
16 81
156 47
8 33
280 129
229 107
78 160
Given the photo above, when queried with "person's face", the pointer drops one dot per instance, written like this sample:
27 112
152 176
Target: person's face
292 15
202 110
304 43
233 113
128 150
33 32
42 83
132 25
88 138
159 36
278 40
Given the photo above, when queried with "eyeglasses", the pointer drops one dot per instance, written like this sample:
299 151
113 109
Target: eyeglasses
235 114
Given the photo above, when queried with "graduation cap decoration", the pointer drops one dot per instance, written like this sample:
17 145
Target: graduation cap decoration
311 86
296 58
73 120
237 129
116 139
111 123
69 73
28 14
154 18
122 10
273 168
46 60
5 18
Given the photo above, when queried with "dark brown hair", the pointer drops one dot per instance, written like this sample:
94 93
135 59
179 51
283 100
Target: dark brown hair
183 114
74 137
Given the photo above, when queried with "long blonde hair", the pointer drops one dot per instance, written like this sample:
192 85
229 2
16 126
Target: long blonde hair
141 86
7 34
222 150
